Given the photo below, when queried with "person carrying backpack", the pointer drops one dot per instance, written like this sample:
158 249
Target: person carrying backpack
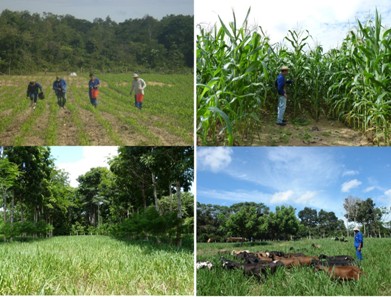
282 96
33 89
138 86
60 88
93 85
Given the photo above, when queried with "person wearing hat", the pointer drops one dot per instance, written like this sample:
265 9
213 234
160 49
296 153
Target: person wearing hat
138 86
93 85
358 242
33 89
282 96
60 88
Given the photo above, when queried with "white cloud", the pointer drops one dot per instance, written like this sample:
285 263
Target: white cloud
347 186
350 173
214 159
93 156
281 197
369 189
306 197
235 196
388 193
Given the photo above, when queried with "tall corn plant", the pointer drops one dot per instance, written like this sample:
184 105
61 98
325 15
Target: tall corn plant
366 104
232 81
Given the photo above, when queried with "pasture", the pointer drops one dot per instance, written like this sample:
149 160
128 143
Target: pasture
296 281
166 118
94 265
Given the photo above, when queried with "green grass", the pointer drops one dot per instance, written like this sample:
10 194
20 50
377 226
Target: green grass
297 281
167 117
94 265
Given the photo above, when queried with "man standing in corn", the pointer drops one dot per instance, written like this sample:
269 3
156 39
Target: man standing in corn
282 96
138 86
60 88
93 85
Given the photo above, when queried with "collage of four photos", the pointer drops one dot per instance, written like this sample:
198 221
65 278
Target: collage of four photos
195 148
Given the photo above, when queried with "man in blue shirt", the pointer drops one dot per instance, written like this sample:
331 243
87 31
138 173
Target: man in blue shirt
33 89
358 242
282 96
93 85
60 88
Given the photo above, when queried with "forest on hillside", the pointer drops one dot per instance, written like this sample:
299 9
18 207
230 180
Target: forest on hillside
31 42
144 195
257 221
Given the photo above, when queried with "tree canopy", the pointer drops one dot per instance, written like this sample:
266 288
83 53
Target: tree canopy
144 193
49 42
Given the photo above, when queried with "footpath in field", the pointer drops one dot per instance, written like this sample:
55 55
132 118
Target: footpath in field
166 117
309 133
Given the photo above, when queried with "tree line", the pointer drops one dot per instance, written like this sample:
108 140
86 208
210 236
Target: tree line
31 42
144 194
255 221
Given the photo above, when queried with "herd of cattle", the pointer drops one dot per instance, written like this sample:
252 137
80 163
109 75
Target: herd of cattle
260 264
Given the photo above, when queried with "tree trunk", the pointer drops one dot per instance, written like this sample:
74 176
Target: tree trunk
5 207
155 192
179 227
143 196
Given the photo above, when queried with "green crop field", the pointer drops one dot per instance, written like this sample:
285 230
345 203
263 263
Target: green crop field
166 118
296 281
94 265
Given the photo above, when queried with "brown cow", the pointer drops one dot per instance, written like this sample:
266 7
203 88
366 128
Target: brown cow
341 272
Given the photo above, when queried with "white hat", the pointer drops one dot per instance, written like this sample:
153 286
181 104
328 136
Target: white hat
284 68
356 229
135 75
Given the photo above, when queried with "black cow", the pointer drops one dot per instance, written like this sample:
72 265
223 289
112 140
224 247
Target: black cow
260 269
228 264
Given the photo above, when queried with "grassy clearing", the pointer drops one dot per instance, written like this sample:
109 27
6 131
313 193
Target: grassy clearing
94 265
166 118
297 281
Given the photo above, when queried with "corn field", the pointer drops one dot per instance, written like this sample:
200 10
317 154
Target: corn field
237 67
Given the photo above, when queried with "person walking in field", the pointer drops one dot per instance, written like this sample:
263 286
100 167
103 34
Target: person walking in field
282 96
60 88
358 242
33 89
138 86
93 85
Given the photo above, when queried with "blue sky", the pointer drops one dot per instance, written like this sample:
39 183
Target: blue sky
77 160
327 21
319 178
118 10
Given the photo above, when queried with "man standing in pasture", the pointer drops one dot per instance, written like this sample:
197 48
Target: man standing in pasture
93 85
138 86
60 88
358 242
282 96
33 89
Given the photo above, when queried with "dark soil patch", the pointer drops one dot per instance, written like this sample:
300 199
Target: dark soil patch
97 134
66 129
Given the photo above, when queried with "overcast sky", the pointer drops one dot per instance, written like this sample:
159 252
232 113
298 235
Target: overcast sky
327 21
319 178
118 10
77 160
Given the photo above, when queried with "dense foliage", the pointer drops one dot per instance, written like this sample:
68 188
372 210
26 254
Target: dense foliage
237 68
144 193
31 42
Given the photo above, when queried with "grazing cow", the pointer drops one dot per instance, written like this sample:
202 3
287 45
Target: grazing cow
228 264
342 260
315 246
239 254
258 269
290 255
338 257
288 262
204 264
236 239
276 253
341 272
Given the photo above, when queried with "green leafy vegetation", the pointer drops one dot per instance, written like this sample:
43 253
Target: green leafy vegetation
94 265
30 42
237 67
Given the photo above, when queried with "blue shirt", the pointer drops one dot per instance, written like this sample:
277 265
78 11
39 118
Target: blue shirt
61 84
33 89
358 239
280 84
93 83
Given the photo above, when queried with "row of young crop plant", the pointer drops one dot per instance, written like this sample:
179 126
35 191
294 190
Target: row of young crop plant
237 68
